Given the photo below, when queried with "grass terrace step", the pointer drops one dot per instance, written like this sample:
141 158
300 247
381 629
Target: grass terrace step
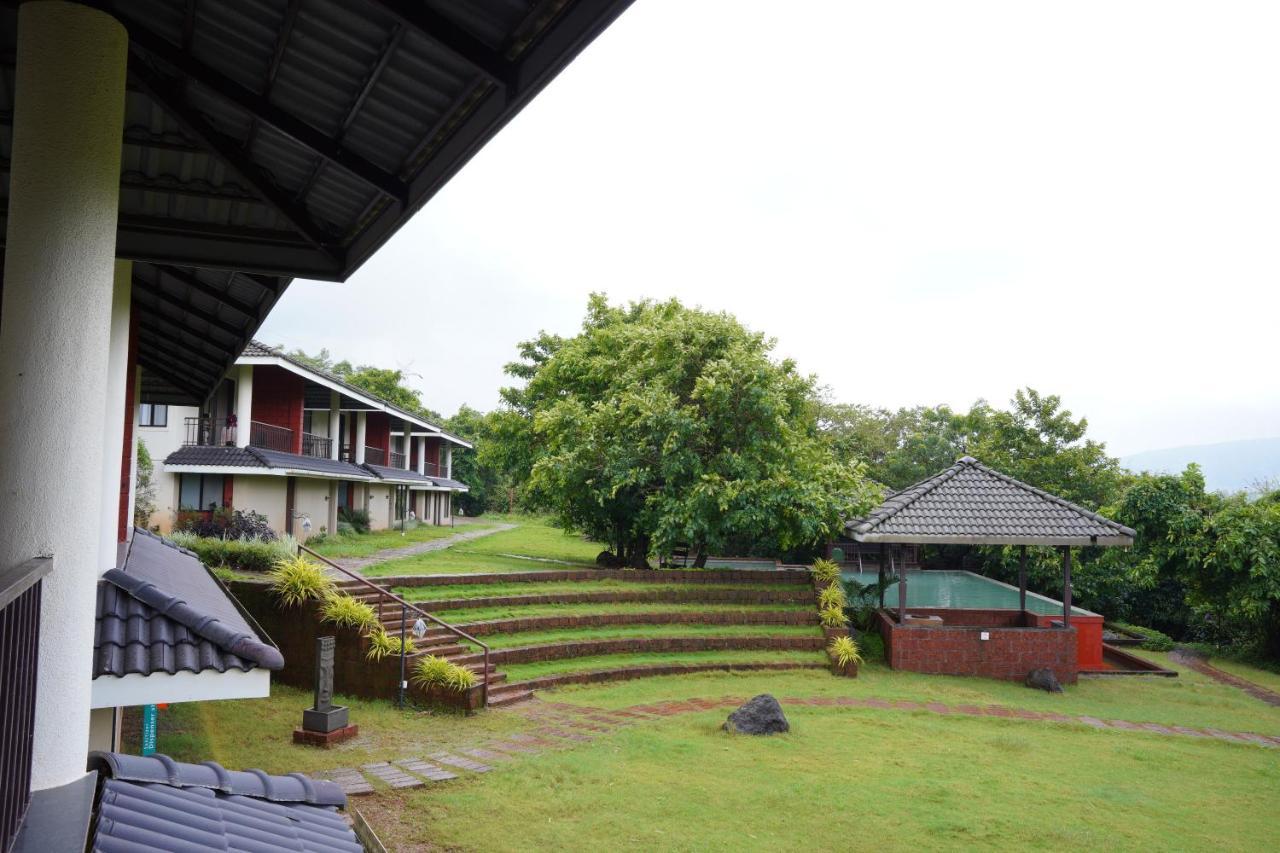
523 673
759 617
690 576
524 689
537 638
664 594
640 645
673 609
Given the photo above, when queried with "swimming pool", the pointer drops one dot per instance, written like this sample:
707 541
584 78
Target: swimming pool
962 590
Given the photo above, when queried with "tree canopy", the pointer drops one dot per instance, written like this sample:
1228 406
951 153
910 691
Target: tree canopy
387 383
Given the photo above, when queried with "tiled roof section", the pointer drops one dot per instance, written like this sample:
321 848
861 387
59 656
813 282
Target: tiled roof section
234 457
398 475
295 462
257 349
164 612
155 803
970 503
446 483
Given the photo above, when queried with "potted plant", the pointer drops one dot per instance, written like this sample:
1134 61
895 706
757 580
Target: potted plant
845 656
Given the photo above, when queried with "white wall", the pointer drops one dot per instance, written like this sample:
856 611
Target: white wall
160 442
266 495
381 507
310 497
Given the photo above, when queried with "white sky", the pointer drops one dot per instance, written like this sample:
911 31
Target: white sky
923 202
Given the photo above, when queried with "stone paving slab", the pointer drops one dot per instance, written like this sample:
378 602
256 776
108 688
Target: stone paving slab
348 779
392 775
485 755
433 772
459 762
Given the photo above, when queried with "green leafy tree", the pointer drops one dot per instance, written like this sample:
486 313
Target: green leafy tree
661 425
386 383
144 505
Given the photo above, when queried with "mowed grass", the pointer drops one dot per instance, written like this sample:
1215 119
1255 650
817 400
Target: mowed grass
367 544
527 547
498 590
855 779
615 632
1261 677
525 671
525 611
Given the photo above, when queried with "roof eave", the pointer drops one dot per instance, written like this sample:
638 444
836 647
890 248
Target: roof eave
1043 541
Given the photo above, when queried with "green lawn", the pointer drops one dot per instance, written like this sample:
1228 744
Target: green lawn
522 611
366 544
1261 677
525 671
857 780
610 632
533 542
495 590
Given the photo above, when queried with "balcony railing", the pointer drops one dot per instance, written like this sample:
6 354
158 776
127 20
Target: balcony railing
20 630
316 445
271 437
397 459
375 456
206 432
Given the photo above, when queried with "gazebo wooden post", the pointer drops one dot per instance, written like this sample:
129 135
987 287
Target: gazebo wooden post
883 548
902 591
1066 586
1022 579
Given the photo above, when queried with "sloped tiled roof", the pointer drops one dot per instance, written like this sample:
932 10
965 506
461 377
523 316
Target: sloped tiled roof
155 803
257 457
235 457
398 475
163 612
295 462
972 504
446 483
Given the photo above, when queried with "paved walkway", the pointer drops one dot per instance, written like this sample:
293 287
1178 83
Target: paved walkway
1257 691
561 725
355 564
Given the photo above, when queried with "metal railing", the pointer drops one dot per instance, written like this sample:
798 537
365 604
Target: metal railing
205 431
404 605
19 654
432 469
375 456
316 445
397 459
271 437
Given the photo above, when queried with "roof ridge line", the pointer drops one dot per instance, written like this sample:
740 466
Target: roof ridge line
933 483
1052 498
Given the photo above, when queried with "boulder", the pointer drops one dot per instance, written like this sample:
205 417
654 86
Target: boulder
760 716
1043 679
609 560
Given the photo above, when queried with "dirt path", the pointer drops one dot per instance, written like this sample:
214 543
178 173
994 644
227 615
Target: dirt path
355 564
1257 691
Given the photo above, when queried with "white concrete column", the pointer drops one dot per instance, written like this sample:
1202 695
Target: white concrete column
335 423
244 403
114 414
408 446
332 524
422 454
133 452
362 425
59 263
448 461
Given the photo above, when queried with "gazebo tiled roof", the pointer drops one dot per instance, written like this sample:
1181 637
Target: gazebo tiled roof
971 504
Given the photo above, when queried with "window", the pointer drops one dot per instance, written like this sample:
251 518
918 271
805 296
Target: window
153 415
199 492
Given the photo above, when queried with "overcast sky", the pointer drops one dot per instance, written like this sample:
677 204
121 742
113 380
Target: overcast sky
923 203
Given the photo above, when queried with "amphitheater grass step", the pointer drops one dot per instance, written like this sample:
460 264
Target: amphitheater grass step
433 593
524 689
538 638
534 611
674 645
590 593
518 673
762 617
544 575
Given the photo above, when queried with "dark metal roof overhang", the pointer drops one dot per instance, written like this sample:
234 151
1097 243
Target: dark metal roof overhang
272 139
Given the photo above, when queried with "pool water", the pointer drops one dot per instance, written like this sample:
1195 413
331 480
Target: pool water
960 589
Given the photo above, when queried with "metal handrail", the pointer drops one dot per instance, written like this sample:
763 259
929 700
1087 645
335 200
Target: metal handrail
383 591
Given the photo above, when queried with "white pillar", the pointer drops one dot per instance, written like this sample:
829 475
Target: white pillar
136 379
335 427
448 461
362 424
244 403
113 430
422 454
54 345
332 525
408 455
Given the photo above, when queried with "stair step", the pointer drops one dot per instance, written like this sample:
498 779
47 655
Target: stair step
507 695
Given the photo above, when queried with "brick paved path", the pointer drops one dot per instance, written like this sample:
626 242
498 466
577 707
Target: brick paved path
561 725
1257 691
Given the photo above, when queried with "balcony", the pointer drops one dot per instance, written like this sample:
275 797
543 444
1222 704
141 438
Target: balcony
270 437
316 445
397 459
375 456
206 432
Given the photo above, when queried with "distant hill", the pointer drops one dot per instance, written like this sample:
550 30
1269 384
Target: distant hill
1228 467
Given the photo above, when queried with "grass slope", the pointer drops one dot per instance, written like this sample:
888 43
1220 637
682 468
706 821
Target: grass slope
531 538
482 614
541 638
525 671
364 545
495 590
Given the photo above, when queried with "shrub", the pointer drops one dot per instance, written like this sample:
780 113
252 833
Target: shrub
382 644
345 528
357 518
347 612
226 523
432 671
832 596
249 555
825 571
872 646
296 579
1152 640
832 617
844 651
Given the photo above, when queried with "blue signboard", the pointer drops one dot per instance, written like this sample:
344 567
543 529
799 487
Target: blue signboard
149 714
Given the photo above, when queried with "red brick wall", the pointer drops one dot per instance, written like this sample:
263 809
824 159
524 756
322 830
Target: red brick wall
1009 653
278 397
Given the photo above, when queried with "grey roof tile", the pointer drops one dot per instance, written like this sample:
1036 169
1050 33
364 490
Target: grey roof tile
164 612
236 457
155 803
970 503
401 475
295 462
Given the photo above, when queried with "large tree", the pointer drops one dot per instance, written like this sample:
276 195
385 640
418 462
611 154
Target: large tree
662 425
387 383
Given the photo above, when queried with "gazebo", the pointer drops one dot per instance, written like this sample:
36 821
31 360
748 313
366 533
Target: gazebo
972 504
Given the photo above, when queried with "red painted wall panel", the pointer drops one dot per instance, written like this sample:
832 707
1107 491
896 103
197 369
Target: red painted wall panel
377 431
278 397
125 518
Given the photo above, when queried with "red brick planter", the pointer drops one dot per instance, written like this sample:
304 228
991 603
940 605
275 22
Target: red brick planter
848 671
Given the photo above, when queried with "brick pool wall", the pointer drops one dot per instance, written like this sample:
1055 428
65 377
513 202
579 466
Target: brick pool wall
1009 653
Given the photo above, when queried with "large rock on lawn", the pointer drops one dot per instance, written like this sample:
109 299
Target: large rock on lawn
1043 679
760 716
